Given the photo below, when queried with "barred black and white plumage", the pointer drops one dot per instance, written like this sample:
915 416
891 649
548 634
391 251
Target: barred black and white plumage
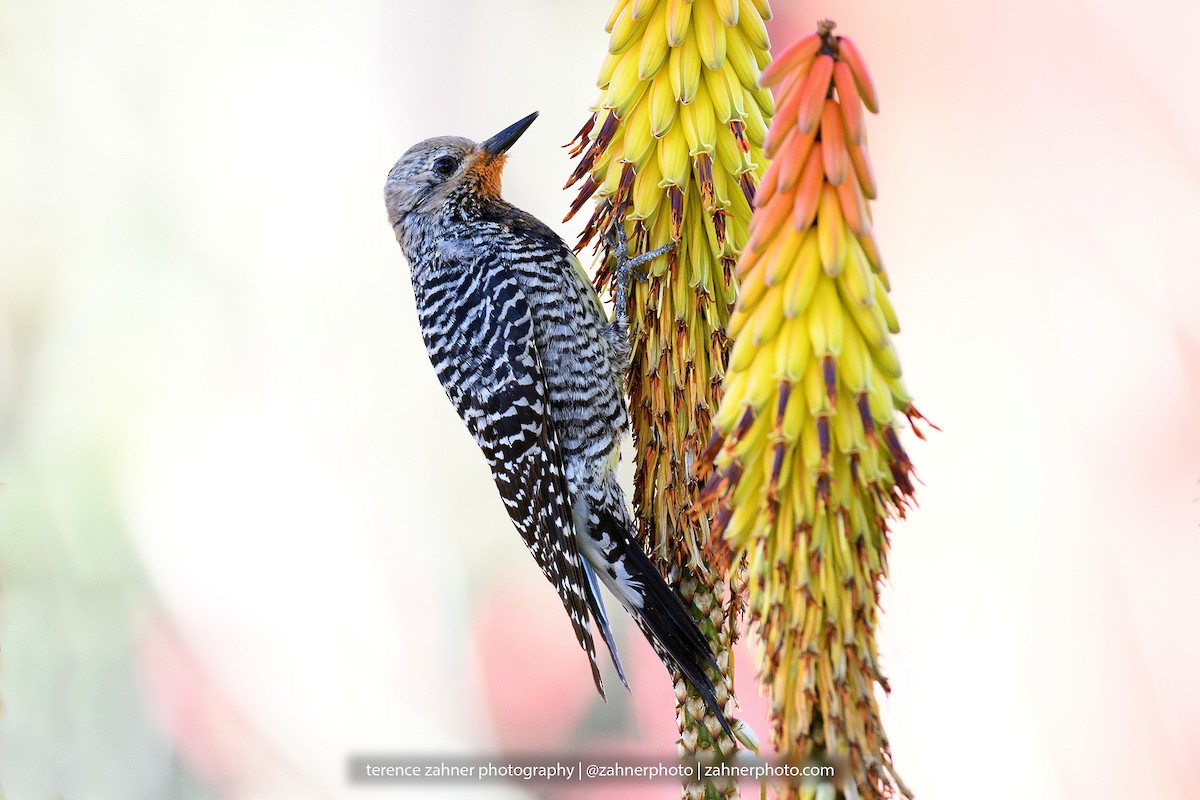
524 351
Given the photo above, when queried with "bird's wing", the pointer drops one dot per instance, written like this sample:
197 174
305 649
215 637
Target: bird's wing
585 280
499 389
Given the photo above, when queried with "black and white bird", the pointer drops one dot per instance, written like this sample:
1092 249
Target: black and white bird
526 354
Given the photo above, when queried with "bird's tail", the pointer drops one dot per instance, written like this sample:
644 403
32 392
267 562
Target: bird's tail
657 609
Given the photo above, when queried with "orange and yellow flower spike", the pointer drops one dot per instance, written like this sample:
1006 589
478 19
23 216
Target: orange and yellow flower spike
807 464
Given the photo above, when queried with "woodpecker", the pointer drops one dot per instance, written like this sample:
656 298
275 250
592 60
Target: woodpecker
533 365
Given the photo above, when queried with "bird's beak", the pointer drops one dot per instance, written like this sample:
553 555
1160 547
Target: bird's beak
508 137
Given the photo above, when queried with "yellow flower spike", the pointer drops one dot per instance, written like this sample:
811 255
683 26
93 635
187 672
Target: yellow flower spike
678 160
813 499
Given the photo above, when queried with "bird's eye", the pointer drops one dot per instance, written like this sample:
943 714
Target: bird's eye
445 165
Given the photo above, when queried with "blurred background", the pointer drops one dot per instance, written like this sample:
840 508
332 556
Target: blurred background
242 533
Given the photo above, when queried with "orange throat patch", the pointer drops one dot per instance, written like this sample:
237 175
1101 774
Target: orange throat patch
487 170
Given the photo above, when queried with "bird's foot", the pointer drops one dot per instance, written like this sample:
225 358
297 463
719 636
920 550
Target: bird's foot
627 269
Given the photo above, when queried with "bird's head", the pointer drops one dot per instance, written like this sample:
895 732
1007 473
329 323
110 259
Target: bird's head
448 166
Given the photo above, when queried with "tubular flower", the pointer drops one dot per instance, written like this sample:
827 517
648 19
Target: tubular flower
809 467
672 153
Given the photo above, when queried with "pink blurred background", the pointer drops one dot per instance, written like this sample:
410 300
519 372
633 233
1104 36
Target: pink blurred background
244 535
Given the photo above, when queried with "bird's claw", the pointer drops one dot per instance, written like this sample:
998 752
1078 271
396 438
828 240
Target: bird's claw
645 258
627 268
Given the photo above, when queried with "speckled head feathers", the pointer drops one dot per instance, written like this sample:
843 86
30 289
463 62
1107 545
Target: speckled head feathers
437 169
